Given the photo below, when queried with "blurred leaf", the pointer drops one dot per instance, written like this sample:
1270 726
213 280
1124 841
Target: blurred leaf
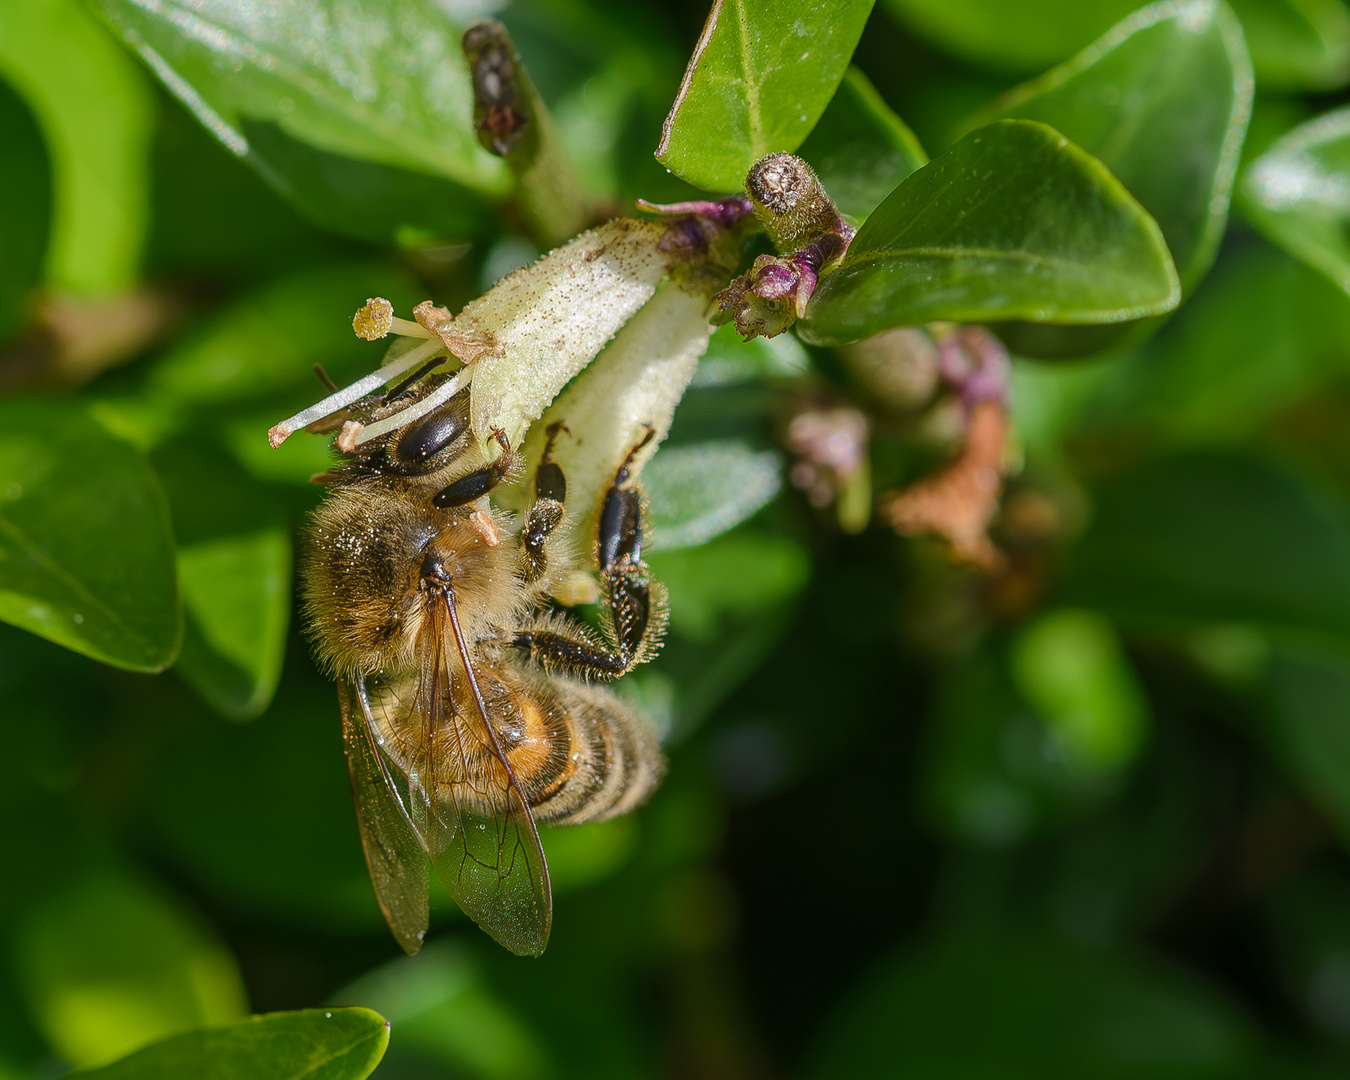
1070 667
735 576
860 149
730 361
1260 334
699 491
312 1044
269 826
1043 1010
759 79
96 112
1208 538
86 554
234 570
25 209
237 595
383 83
580 855
1013 222
1298 194
110 965
366 199
1297 44
443 1007
1162 101
1310 690
1016 37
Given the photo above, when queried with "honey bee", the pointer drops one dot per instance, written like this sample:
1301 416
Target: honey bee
470 713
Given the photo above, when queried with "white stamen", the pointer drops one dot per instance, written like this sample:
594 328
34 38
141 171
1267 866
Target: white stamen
408 328
435 399
355 392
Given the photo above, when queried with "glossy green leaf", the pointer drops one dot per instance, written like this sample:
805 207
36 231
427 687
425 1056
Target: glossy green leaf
1210 538
1162 101
1013 222
1297 44
312 1044
96 111
1044 1009
860 149
25 209
86 553
109 965
1309 690
1298 194
381 83
700 490
760 77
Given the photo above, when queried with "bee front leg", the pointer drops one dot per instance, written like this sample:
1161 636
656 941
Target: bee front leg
475 485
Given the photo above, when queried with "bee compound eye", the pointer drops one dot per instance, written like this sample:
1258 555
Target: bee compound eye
428 436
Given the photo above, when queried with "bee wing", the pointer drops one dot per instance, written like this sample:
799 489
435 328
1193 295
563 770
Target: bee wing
478 827
395 854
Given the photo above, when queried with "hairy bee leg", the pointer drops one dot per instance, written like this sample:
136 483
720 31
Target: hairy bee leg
475 485
572 652
546 513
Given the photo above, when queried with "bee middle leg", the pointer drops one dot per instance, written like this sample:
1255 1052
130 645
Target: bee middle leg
546 512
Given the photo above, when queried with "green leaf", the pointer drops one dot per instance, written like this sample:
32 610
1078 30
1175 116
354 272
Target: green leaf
109 964
759 79
860 149
1013 222
378 82
699 491
86 554
25 209
1162 101
1298 194
1207 538
311 1044
1297 44
97 113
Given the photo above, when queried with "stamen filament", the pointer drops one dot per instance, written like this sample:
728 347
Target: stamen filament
418 409
354 392
408 328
